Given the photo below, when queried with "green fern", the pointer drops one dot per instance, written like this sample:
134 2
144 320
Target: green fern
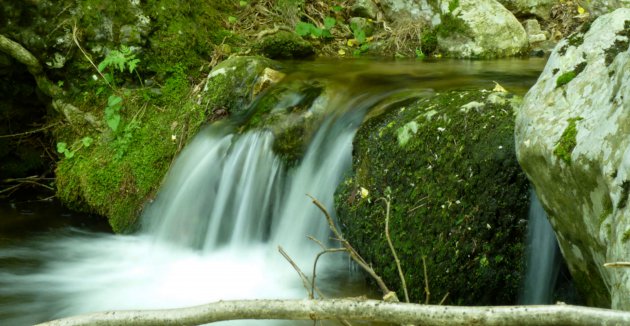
120 59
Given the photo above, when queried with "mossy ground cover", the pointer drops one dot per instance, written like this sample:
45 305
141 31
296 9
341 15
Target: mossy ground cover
458 198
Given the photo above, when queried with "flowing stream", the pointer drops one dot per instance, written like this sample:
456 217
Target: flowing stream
226 205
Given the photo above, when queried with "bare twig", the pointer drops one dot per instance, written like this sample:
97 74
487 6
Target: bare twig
305 280
426 281
391 247
30 131
75 31
315 266
443 299
388 295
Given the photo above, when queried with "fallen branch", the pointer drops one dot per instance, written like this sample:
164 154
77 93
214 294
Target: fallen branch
367 310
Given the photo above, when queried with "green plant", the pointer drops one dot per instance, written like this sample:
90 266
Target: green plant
360 39
112 111
118 59
69 151
307 29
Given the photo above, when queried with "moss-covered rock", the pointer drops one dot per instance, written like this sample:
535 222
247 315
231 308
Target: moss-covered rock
285 45
458 197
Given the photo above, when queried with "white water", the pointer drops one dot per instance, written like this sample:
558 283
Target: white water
211 234
543 256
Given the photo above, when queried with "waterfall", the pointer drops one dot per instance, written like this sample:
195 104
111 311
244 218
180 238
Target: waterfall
543 256
212 233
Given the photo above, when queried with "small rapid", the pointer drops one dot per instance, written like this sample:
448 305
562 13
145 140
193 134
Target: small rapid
226 205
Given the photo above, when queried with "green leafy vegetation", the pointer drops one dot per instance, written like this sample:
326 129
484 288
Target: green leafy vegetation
305 29
69 151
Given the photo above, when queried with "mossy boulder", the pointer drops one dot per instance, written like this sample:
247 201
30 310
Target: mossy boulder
285 45
232 84
458 197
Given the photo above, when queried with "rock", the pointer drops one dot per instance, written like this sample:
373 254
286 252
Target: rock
362 24
572 140
401 10
285 45
599 7
238 77
525 8
457 192
534 33
364 8
480 29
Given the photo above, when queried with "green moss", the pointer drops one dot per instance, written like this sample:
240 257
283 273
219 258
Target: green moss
452 5
576 39
285 45
186 33
452 25
458 193
428 41
567 141
565 78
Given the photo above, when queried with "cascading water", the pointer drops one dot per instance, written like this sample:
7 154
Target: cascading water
226 205
212 233
543 256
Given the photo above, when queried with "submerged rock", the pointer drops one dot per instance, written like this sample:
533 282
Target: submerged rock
458 197
572 140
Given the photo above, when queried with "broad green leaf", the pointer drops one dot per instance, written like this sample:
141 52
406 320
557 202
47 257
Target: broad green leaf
326 34
113 100
87 141
329 22
62 147
303 29
316 31
232 19
103 65
68 154
113 121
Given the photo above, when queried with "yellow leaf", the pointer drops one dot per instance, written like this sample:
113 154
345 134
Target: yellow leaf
341 52
580 10
499 88
369 39
352 42
364 192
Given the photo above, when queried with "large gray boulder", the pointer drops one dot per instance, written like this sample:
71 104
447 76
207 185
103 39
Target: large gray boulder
480 29
573 141
464 28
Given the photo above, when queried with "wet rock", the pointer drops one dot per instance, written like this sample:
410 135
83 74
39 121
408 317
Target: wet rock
457 192
572 140
231 84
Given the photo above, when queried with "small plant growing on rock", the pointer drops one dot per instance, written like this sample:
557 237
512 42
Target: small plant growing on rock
307 29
